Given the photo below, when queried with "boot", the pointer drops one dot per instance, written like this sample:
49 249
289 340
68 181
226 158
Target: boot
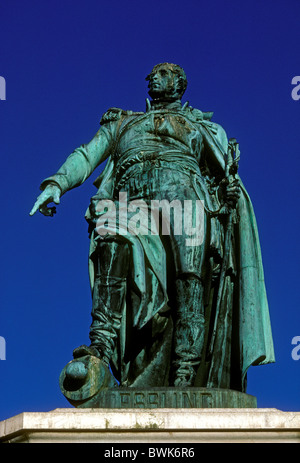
188 331
108 302
111 260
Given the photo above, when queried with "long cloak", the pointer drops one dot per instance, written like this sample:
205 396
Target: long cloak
244 328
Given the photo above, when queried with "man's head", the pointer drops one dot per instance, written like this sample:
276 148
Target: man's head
167 80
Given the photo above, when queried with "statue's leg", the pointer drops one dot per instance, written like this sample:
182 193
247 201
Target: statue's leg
108 299
188 297
189 330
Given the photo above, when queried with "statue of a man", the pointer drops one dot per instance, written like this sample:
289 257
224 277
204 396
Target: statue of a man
167 310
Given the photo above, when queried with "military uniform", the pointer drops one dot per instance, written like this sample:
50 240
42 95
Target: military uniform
155 283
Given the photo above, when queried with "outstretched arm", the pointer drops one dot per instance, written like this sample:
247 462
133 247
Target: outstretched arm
75 170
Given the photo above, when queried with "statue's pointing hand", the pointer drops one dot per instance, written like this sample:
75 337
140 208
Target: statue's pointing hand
50 194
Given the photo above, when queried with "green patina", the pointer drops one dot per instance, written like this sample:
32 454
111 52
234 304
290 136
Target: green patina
184 306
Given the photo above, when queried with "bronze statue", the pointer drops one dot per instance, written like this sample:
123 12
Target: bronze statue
174 307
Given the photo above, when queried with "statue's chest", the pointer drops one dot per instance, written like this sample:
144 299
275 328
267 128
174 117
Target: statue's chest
161 127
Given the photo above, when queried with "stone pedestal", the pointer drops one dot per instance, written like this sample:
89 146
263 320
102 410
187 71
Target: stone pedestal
169 426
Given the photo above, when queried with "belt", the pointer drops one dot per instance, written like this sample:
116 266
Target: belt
170 159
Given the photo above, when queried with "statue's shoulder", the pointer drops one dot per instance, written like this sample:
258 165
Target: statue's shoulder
116 114
197 115
204 119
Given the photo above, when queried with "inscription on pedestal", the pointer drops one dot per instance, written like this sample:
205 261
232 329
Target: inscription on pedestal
161 399
171 398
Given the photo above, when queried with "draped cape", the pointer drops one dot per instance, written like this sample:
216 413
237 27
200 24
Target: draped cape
253 328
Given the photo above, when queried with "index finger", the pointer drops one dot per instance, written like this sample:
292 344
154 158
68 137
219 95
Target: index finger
34 209
39 202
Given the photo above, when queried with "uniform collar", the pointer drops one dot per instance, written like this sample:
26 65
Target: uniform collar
158 104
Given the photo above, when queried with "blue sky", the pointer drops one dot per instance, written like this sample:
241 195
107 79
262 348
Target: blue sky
65 63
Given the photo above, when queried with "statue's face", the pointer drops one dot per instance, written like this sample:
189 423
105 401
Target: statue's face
162 83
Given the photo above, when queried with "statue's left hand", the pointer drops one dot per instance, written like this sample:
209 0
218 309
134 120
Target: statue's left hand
50 194
229 193
232 193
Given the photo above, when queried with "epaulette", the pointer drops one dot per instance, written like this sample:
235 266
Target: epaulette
198 115
115 114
